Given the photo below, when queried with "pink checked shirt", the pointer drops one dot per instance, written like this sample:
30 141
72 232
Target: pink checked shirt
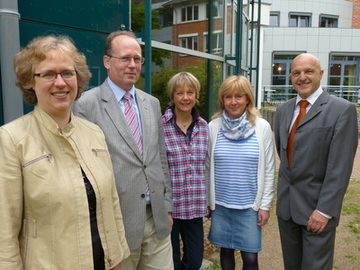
186 155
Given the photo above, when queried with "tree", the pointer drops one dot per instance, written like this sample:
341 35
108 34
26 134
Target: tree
137 25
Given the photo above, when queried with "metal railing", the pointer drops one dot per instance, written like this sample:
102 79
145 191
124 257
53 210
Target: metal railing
276 94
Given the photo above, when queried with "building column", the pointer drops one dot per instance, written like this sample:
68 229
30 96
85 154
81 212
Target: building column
10 45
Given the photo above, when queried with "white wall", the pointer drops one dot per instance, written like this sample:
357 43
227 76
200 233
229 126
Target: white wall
318 41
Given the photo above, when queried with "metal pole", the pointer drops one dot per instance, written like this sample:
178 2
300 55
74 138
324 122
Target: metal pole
147 35
258 54
10 45
239 37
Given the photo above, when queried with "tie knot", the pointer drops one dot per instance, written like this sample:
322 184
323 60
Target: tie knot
303 103
127 96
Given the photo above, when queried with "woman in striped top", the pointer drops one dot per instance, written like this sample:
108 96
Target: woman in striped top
241 170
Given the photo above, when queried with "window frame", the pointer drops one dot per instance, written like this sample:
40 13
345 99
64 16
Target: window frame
277 15
299 18
327 17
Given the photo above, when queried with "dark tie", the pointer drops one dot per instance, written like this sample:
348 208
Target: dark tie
290 146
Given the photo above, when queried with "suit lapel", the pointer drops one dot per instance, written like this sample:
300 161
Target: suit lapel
144 119
118 119
316 108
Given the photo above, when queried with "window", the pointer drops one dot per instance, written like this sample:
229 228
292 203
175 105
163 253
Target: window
189 42
299 20
190 13
343 70
217 9
344 76
274 19
328 21
281 68
217 42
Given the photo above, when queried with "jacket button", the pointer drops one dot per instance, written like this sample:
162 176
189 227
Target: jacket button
143 195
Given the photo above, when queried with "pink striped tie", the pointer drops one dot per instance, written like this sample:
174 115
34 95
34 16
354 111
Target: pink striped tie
134 126
132 121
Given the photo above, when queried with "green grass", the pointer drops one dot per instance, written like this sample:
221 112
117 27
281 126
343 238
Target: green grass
349 256
214 266
351 209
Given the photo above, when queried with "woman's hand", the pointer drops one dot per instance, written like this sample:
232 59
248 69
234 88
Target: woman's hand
263 217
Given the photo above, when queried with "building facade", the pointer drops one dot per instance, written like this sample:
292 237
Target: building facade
329 29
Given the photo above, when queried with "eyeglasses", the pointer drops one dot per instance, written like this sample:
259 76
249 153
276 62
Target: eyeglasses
126 60
51 76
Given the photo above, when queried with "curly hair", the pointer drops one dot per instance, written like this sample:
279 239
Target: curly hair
242 85
183 79
35 52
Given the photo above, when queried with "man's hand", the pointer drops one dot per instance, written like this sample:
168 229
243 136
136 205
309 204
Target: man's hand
317 222
171 222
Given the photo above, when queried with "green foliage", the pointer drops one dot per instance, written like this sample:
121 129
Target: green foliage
138 17
214 266
138 24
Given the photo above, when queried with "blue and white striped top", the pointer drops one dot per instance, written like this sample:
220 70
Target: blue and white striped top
236 165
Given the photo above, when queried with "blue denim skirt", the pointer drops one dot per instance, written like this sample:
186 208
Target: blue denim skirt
235 229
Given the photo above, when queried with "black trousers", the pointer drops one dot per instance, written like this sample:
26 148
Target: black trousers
192 237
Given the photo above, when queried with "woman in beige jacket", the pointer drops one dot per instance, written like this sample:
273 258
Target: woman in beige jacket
59 208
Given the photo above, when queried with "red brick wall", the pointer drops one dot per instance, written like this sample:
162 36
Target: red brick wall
356 14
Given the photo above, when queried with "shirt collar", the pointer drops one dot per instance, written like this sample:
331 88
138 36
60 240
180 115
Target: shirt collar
312 98
118 91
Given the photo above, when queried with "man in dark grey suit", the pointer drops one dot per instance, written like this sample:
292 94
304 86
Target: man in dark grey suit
141 171
312 187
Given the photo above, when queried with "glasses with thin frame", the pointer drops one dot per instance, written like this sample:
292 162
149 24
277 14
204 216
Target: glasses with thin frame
51 76
139 60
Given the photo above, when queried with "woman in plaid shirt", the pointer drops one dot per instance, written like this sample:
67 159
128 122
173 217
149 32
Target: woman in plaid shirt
186 137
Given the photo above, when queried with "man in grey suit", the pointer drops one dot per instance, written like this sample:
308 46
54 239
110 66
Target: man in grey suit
311 188
141 171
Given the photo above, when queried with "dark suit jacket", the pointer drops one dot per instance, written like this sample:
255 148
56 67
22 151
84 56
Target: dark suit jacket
324 149
100 106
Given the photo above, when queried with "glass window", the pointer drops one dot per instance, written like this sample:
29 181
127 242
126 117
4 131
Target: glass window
217 42
196 13
189 42
274 20
329 22
281 68
299 20
190 13
344 76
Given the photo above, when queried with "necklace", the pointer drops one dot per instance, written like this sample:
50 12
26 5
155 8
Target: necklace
186 124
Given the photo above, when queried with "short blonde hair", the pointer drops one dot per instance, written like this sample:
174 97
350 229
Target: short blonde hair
35 52
241 85
182 79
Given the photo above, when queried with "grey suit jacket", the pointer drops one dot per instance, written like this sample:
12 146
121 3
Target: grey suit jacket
324 149
100 106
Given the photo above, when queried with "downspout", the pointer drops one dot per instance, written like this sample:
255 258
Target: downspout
9 46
